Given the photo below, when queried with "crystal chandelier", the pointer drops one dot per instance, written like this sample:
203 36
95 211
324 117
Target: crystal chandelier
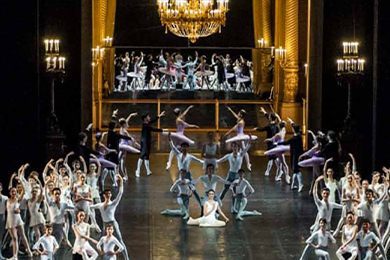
193 19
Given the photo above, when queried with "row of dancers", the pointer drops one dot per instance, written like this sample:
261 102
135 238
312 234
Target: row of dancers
167 71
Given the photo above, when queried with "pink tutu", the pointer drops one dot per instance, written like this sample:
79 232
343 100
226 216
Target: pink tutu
179 138
313 161
128 148
239 138
278 150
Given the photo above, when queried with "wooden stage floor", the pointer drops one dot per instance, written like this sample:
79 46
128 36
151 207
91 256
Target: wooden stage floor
280 233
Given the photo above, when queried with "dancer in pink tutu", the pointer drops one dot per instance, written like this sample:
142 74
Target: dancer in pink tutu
179 137
313 160
240 137
279 151
126 145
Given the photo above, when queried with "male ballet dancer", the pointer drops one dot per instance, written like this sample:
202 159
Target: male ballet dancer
184 159
107 211
271 129
235 162
146 141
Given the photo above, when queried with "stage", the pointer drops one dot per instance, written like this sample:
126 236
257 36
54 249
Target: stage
280 233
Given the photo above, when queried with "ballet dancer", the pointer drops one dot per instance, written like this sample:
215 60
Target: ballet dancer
190 65
203 73
3 205
183 188
278 151
37 220
146 141
331 149
220 71
126 145
66 196
238 188
184 159
321 237
350 196
240 137
382 216
15 224
210 152
108 166
107 243
81 244
296 150
271 129
366 209
168 71
349 243
107 212
235 162
209 212
365 238
57 210
210 183
81 149
329 181
48 243
92 180
314 160
179 136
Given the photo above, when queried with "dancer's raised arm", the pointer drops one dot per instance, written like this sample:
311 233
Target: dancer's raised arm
233 113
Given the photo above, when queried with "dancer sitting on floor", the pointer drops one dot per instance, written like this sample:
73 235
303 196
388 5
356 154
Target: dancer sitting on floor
321 237
238 188
146 141
349 243
210 152
209 214
107 244
240 138
271 129
184 159
183 188
48 243
235 162
81 244
179 136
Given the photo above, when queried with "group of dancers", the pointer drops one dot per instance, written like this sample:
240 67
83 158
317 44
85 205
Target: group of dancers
41 208
171 71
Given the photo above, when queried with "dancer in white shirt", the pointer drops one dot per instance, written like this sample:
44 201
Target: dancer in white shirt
321 237
81 244
48 243
3 203
210 152
107 244
107 211
366 209
365 237
183 188
238 188
349 243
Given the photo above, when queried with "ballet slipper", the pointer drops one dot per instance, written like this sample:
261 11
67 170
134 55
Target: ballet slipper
238 217
149 173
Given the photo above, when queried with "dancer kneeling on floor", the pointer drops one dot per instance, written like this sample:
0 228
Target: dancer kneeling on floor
209 210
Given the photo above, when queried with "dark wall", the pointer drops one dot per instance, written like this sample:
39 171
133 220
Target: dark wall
138 24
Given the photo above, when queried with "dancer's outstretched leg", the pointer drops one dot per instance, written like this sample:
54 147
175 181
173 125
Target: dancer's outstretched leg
169 163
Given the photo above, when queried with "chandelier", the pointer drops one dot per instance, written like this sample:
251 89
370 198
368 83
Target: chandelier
193 19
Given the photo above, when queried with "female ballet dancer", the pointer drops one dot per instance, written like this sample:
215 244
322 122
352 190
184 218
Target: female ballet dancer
15 223
37 220
349 243
278 151
48 243
238 188
210 152
203 73
350 198
179 137
92 181
314 160
183 188
168 71
240 137
66 197
107 166
3 203
107 243
190 65
329 181
126 145
320 237
209 210
382 216
81 244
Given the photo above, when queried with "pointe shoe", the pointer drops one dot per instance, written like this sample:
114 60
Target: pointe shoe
149 173
186 216
288 179
278 179
68 243
126 178
239 217
97 229
137 174
300 188
266 174
249 166
168 166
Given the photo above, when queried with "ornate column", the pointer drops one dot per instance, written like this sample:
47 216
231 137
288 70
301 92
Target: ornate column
291 67
261 58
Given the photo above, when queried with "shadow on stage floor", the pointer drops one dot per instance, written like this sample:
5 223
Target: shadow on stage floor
280 233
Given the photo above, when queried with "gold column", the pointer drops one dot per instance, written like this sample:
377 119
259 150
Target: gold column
291 67
261 58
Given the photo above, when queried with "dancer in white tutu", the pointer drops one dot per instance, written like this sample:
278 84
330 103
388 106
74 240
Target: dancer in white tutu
209 210
179 137
240 137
